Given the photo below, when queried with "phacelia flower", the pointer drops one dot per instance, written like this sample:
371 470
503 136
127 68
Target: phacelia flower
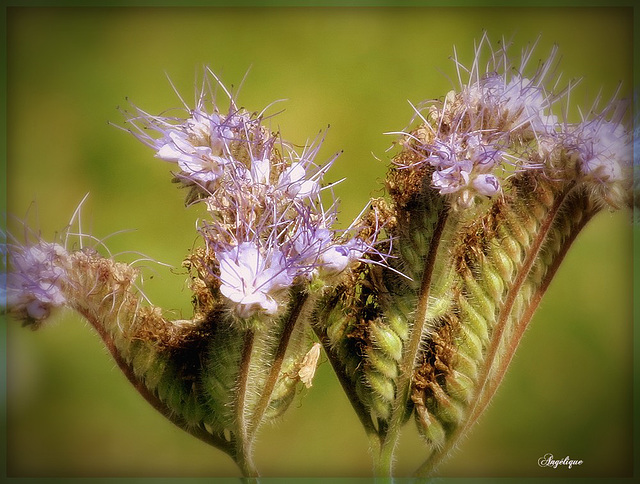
450 180
486 184
196 146
310 241
294 183
252 279
318 249
33 283
260 171
338 257
204 144
464 162
604 150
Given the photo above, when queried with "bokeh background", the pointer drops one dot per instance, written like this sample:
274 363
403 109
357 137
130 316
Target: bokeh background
71 413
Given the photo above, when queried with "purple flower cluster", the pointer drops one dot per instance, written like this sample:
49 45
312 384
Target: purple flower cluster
268 229
464 163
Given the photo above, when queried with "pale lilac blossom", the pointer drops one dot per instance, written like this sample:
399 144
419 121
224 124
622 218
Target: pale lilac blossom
252 279
338 257
33 283
604 150
464 162
316 248
450 180
486 184
260 171
311 240
204 144
294 182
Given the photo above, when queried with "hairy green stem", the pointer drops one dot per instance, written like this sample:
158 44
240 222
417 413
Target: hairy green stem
300 299
243 451
383 456
420 319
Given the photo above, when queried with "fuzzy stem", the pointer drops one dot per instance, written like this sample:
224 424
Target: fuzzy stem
300 299
411 352
383 459
243 452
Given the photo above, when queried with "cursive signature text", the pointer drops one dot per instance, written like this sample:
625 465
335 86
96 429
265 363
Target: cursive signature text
548 461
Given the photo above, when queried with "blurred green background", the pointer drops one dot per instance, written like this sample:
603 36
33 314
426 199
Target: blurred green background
70 411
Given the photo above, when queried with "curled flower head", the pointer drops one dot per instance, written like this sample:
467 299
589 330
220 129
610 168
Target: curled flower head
502 121
501 96
204 143
197 146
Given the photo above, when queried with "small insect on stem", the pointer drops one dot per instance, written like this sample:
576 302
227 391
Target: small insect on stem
308 365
